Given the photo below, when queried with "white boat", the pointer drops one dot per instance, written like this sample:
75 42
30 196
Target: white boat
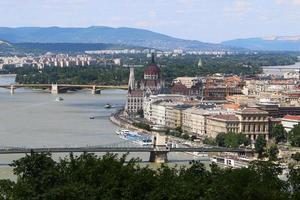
59 99
135 137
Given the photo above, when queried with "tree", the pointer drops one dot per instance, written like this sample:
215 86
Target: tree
294 136
296 157
220 139
273 152
278 133
88 176
209 141
260 145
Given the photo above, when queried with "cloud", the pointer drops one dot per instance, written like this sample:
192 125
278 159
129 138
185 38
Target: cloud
238 7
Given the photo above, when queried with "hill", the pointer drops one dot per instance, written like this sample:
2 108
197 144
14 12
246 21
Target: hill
102 34
274 43
21 48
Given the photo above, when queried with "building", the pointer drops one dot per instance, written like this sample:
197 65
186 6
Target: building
222 124
174 115
151 83
149 101
253 122
249 121
194 120
289 121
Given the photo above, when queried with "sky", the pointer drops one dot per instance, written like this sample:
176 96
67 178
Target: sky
203 20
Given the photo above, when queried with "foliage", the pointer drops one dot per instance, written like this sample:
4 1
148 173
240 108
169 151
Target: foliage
232 140
273 152
296 157
278 133
178 133
209 141
142 126
294 136
171 68
260 145
88 176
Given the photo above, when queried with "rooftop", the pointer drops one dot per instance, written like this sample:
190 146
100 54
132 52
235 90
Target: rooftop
292 117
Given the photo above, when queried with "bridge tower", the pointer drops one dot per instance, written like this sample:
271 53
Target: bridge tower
12 89
95 90
160 150
54 89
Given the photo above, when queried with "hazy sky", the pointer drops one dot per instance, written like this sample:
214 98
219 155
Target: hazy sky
204 20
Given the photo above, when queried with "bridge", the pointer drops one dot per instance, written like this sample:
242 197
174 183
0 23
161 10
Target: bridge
158 152
62 88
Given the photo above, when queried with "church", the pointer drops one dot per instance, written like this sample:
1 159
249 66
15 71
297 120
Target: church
150 84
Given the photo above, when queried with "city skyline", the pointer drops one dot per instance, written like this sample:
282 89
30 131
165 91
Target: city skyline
203 20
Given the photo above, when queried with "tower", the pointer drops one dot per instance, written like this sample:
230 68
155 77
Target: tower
131 82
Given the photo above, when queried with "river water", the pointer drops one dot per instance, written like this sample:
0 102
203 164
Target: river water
32 118
281 69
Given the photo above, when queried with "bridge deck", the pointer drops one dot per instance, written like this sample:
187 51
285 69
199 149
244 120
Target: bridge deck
115 149
65 85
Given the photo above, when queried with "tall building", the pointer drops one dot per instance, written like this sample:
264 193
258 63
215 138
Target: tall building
150 84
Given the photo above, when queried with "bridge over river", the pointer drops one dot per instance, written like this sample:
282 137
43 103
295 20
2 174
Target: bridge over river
158 153
61 88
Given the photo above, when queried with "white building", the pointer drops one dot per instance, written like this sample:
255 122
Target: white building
289 121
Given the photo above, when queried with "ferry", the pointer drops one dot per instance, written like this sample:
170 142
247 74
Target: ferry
135 137
59 99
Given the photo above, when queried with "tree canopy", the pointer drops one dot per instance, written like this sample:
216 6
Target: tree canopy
88 176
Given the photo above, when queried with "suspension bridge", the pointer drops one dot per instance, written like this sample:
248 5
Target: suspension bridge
158 151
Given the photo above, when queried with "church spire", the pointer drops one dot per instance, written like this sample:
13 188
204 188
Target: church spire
152 58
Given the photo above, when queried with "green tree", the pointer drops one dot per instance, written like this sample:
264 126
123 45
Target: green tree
294 136
260 145
278 133
220 139
273 152
296 157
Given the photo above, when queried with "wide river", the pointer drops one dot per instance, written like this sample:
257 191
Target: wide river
32 118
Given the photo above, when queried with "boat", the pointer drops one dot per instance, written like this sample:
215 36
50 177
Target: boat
107 106
135 137
59 99
92 117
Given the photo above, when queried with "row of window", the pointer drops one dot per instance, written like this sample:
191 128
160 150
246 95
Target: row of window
254 128
254 118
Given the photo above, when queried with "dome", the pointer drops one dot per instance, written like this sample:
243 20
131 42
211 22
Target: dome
153 69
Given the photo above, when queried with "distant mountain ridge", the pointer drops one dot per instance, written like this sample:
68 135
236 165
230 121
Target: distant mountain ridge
102 34
270 43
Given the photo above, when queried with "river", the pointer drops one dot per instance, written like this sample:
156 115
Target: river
32 118
281 69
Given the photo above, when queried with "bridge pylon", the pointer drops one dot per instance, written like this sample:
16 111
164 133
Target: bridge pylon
95 90
12 89
54 89
160 151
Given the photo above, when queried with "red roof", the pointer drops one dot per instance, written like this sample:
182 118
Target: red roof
292 117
